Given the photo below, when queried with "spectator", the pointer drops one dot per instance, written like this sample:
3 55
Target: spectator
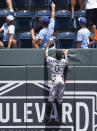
73 3
46 33
9 4
83 34
36 29
91 10
95 39
9 32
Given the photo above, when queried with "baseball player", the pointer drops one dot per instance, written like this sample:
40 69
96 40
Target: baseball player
57 66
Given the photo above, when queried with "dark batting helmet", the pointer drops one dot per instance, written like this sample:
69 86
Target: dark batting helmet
59 54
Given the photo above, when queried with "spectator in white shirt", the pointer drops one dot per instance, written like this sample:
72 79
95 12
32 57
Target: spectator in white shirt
9 33
83 34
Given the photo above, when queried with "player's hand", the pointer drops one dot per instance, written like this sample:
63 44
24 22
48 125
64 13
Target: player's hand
47 46
53 5
66 52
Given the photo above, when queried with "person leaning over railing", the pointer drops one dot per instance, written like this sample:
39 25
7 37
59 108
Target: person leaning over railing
45 34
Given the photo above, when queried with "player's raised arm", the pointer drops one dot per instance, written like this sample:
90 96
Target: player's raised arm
66 57
46 52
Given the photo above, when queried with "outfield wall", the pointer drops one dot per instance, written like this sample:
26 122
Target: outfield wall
24 90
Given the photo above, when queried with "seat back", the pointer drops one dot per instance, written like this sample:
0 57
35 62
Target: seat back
63 20
66 40
24 20
21 4
25 40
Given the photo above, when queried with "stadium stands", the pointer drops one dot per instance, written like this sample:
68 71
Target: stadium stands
27 10
39 3
3 15
41 13
1 37
24 20
78 14
63 20
3 5
66 40
61 4
21 4
25 40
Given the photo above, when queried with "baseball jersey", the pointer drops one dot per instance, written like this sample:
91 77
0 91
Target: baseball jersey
83 36
56 66
47 33
7 31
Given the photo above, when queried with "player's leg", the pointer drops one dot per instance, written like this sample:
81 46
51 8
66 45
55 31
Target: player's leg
52 95
60 95
59 109
48 112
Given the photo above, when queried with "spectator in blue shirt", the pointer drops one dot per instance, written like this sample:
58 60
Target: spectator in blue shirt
45 34
83 34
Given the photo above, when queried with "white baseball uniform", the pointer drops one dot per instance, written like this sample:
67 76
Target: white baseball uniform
57 72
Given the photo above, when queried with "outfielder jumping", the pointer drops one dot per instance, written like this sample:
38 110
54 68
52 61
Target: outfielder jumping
57 66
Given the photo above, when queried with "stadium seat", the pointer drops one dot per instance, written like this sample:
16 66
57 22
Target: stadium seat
41 13
1 36
77 15
24 20
3 5
63 20
3 15
60 4
39 3
17 39
25 40
66 40
21 4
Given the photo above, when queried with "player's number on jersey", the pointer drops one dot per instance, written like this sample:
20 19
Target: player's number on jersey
57 68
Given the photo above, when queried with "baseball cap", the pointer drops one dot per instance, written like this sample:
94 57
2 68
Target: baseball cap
45 20
10 18
82 20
